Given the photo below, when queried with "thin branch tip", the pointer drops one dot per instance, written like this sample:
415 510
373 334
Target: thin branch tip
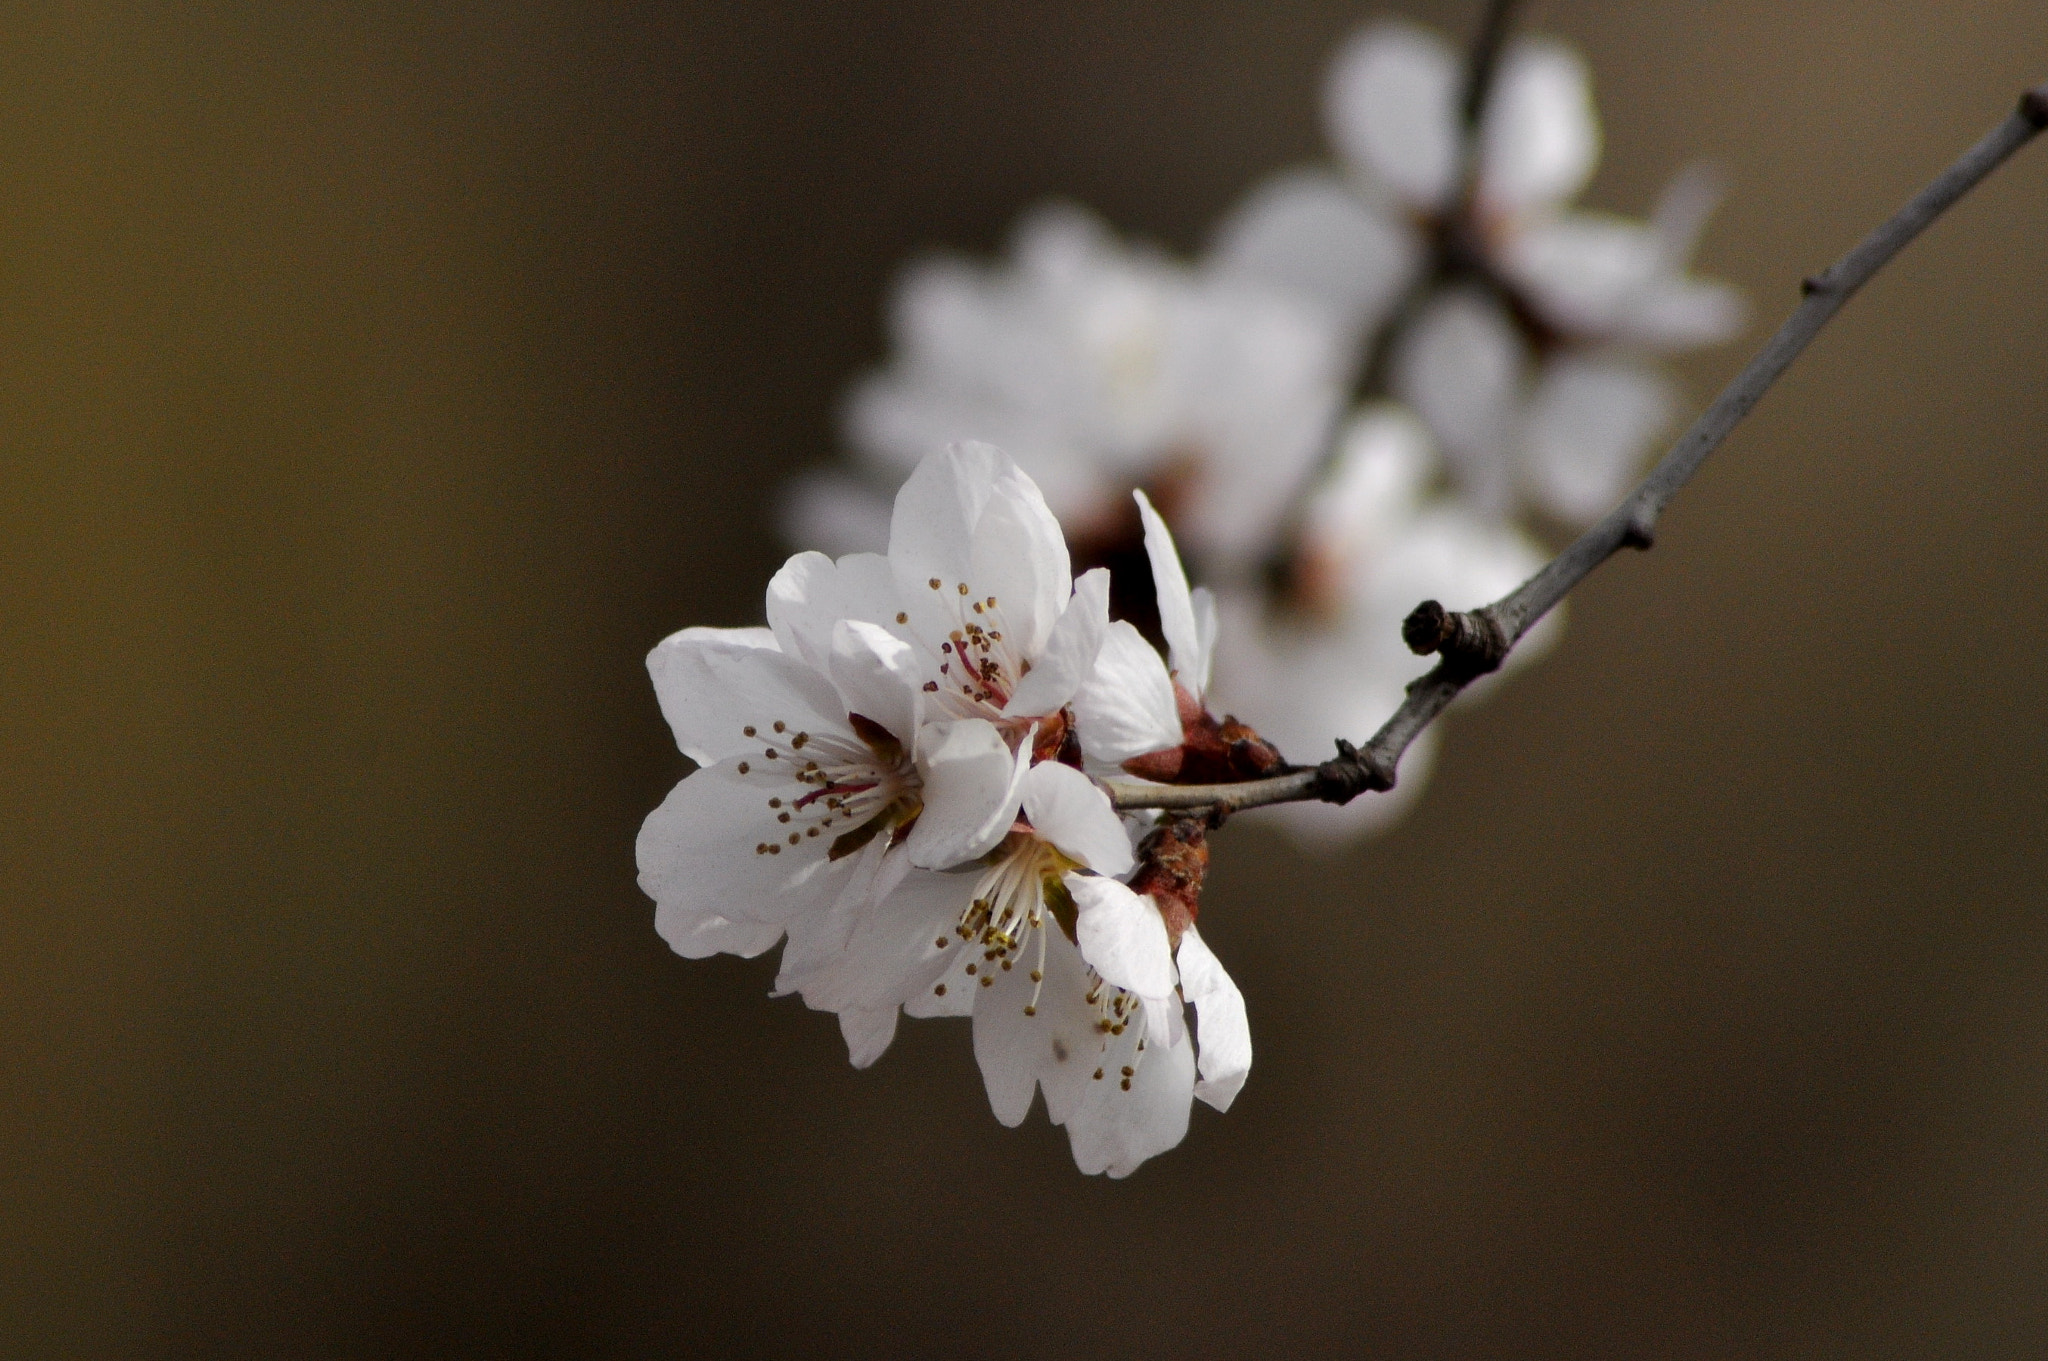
2034 105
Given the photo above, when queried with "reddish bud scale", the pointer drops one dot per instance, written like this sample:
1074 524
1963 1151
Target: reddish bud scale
1172 863
1211 751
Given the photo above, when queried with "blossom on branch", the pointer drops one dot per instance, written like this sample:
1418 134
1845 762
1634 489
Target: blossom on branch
893 779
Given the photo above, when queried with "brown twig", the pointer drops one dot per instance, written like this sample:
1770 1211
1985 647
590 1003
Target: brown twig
1472 644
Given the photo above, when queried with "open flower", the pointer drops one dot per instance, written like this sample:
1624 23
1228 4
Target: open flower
799 801
976 588
884 728
1069 975
1099 366
1533 365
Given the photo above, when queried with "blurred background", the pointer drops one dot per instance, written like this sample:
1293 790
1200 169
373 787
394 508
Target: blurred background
379 385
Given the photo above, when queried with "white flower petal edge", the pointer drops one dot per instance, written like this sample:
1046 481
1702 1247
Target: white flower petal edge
1069 811
1309 233
1186 652
1069 654
812 594
1123 938
1462 367
1127 707
876 674
1589 423
973 784
1390 107
1541 137
1224 1035
970 521
711 681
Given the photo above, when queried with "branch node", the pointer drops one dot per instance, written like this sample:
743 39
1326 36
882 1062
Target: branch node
1640 533
1812 284
2034 106
1351 773
1471 644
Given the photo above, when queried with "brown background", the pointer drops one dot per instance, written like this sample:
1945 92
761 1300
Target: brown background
378 387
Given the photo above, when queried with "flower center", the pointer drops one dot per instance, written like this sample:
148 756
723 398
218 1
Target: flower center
978 667
1005 922
858 785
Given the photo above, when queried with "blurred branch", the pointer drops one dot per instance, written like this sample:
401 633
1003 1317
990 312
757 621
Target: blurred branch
1482 59
1472 644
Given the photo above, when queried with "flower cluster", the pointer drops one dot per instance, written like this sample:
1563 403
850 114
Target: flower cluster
1378 379
895 776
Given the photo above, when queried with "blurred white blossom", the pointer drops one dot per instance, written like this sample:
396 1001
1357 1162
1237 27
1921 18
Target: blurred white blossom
1099 366
1527 329
1331 662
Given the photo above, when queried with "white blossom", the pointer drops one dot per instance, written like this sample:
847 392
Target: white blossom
1068 974
1099 366
1562 423
869 790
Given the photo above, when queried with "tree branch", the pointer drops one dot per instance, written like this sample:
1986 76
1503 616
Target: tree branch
1482 59
1472 644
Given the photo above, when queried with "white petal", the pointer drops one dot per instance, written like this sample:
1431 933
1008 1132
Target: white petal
833 512
1683 209
971 791
1585 271
1127 707
1115 1130
969 517
1258 378
1461 366
711 934
1019 556
931 528
1068 810
878 675
1203 602
811 593
1390 105
1122 935
1540 137
1224 1037
1176 608
1310 233
1590 425
1055 1045
698 859
1383 462
714 683
814 960
867 1031
894 954
1685 313
1068 657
